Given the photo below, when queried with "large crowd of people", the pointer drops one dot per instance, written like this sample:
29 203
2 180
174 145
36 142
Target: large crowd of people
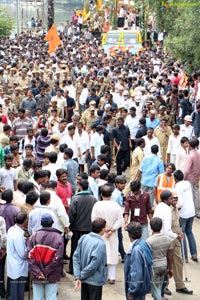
71 125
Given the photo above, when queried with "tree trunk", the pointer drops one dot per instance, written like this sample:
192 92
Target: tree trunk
50 13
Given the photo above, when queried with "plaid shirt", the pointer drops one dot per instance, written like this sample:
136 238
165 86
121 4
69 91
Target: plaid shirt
2 233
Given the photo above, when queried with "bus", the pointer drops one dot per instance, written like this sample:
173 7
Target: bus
122 40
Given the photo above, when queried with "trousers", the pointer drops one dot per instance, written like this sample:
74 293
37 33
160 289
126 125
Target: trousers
196 198
90 292
45 291
17 287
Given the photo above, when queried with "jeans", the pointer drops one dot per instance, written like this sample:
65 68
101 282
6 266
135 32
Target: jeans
17 287
121 246
45 291
186 225
157 282
149 190
90 292
122 161
145 232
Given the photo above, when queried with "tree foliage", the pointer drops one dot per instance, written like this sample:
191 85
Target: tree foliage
181 22
6 23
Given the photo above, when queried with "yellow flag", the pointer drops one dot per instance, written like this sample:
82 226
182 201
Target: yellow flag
53 39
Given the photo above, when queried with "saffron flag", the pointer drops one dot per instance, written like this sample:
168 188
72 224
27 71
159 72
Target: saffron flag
53 39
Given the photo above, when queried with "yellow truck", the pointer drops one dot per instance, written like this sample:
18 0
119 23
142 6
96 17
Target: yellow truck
122 40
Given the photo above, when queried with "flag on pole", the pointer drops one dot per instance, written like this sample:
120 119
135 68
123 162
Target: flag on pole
53 38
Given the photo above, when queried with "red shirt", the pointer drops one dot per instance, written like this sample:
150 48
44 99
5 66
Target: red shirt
64 192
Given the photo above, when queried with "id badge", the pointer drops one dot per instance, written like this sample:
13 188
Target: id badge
137 212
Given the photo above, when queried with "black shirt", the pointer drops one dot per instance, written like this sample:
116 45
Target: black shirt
122 134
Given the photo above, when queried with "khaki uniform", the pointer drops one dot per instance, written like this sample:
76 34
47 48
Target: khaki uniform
88 120
16 100
137 157
177 263
9 108
23 81
163 137
59 111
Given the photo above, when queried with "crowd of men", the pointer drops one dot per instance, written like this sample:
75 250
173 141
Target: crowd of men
70 126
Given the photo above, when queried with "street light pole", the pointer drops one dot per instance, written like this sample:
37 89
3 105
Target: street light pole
17 16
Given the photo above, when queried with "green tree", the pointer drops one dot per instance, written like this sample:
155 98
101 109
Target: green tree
6 23
183 41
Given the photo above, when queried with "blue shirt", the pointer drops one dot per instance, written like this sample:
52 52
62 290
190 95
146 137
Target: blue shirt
117 196
151 167
152 124
72 170
17 263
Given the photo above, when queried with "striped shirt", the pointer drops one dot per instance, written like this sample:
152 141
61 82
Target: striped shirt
20 127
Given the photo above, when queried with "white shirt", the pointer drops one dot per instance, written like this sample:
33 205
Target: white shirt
96 142
163 212
93 187
149 143
72 91
58 208
133 125
185 199
74 144
83 96
52 168
187 131
17 263
55 130
174 144
181 156
83 141
35 216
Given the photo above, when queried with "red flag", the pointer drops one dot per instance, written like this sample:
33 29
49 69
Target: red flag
53 39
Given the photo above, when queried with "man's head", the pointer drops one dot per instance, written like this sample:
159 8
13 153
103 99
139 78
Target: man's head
99 226
40 176
31 198
141 142
134 231
135 187
154 149
68 153
184 142
62 176
46 220
106 191
166 197
45 198
27 164
120 182
178 175
193 144
95 172
21 219
8 159
7 195
83 185
156 224
133 111
170 168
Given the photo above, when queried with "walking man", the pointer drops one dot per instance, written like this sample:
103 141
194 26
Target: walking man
45 248
17 264
89 262
138 263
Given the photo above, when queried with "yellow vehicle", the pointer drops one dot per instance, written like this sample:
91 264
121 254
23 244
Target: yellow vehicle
86 8
122 40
